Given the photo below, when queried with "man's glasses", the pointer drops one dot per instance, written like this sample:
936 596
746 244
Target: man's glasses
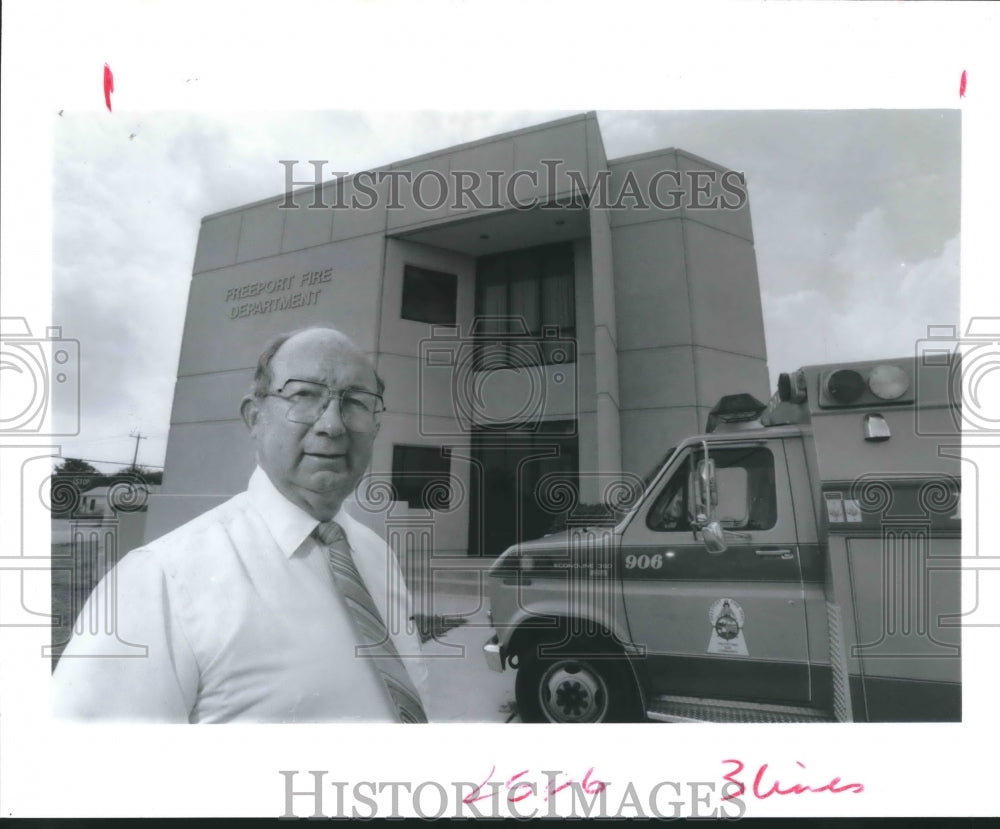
360 411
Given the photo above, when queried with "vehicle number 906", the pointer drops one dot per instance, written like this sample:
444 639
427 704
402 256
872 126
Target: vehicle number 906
644 562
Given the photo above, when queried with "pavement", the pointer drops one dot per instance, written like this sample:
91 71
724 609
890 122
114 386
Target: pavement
463 688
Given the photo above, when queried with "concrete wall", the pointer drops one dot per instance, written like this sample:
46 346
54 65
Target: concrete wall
569 140
687 301
419 402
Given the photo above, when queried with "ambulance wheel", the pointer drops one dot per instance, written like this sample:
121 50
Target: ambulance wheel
579 685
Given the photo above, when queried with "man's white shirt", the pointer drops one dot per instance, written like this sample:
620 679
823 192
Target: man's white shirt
241 621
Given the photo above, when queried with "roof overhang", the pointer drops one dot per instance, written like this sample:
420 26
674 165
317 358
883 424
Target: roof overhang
492 231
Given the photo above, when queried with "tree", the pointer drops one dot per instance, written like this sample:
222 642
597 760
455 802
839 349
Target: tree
69 481
131 473
82 474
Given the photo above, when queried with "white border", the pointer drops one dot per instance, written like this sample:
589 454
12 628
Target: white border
291 56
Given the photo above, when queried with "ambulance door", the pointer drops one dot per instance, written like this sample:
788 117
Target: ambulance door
729 625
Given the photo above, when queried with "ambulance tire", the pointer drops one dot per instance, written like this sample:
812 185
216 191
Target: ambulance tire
583 686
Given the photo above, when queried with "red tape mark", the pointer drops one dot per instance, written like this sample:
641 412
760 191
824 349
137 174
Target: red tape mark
961 86
109 86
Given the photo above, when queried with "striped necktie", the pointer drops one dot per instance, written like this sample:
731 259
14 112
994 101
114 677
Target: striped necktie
369 625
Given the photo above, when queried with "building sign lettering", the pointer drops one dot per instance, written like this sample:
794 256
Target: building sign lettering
283 293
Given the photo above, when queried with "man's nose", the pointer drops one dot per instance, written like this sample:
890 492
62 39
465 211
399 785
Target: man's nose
329 421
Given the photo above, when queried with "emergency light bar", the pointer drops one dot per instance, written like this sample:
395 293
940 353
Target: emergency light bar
734 408
865 385
850 386
792 387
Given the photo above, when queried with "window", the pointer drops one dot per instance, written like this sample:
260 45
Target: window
745 481
669 512
420 476
429 296
746 492
525 308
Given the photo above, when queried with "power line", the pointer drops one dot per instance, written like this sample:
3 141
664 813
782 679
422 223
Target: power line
101 440
117 437
114 463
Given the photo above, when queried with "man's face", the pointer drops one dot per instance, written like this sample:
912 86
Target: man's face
315 466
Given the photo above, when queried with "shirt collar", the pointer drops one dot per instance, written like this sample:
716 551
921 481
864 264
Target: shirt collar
289 524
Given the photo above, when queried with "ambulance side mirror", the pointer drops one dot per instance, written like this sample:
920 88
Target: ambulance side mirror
706 498
712 537
706 495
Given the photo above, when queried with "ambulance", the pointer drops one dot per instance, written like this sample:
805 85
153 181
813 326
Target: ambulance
797 562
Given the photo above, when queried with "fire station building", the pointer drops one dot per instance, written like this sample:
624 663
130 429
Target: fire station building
548 323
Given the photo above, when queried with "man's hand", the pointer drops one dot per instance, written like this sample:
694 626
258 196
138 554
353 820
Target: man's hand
431 627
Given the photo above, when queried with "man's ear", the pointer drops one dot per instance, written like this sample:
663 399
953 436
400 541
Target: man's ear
250 411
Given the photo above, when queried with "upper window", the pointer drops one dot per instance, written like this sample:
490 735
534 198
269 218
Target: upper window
420 476
525 308
429 296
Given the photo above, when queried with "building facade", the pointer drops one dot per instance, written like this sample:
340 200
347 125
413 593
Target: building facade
548 323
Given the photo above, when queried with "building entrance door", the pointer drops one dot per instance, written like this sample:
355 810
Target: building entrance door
519 483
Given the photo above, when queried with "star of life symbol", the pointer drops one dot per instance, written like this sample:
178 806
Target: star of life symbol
727 619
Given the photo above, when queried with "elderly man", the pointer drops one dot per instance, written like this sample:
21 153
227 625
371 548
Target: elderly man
275 606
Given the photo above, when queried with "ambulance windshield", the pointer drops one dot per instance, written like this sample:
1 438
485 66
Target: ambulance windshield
650 476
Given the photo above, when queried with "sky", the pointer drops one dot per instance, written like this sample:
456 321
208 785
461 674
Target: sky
855 217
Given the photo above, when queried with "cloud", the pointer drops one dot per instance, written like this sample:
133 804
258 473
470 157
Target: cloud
875 305
125 223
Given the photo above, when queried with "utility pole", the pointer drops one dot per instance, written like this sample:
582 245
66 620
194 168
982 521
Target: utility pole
138 436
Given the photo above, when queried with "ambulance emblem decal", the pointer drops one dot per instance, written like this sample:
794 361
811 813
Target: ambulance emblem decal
727 619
